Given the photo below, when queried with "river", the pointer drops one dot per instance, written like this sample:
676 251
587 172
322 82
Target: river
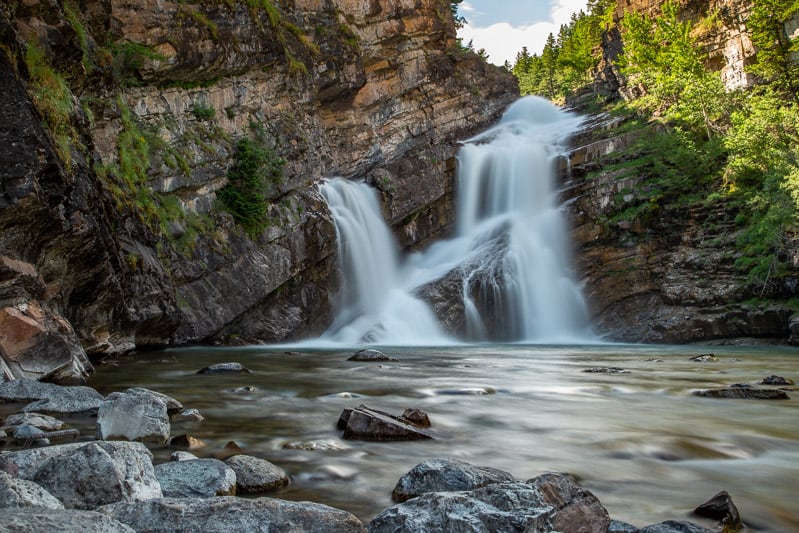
646 446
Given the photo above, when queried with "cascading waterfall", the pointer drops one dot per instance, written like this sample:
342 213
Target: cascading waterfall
510 251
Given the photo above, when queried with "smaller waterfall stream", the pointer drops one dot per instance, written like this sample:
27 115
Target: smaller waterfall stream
510 254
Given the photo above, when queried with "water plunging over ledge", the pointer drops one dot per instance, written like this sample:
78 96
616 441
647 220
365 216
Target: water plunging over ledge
509 257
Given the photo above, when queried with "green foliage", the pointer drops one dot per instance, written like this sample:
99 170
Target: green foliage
202 111
83 38
128 59
256 170
53 99
776 61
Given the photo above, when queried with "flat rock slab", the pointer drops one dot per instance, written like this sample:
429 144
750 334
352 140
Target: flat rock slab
230 513
372 356
254 475
198 478
224 368
16 492
41 421
365 423
51 399
445 474
32 520
507 507
744 393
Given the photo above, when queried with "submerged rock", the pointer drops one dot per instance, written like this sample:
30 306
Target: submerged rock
224 368
372 356
744 392
776 380
37 520
721 507
705 358
445 474
254 475
606 370
230 513
675 526
365 423
198 478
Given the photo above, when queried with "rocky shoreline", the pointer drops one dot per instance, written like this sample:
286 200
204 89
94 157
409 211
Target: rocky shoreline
52 478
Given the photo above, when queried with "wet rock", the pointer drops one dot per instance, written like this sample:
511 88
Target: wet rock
606 370
36 520
99 473
622 527
744 392
508 507
3 437
186 441
417 417
200 478
43 422
136 415
51 399
315 446
721 507
445 474
29 435
254 475
182 456
675 526
188 415
577 510
229 450
16 492
224 368
776 380
372 356
230 513
364 423
705 358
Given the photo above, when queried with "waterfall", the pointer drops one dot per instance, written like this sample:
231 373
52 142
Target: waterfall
506 273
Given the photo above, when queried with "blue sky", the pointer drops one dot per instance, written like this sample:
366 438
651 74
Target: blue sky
502 27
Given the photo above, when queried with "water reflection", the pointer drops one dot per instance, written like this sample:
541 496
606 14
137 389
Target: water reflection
649 449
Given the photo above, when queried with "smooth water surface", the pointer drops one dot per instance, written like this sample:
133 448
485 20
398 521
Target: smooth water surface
640 441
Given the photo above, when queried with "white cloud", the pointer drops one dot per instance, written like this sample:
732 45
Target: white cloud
466 6
502 41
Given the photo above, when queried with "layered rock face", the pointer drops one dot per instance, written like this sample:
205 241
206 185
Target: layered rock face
111 233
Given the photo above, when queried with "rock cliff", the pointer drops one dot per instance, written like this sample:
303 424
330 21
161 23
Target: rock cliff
121 121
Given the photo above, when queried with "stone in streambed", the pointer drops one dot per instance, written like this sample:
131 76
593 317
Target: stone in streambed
135 415
577 510
705 358
372 356
721 507
776 380
43 422
617 526
16 492
675 526
230 513
445 474
224 368
606 370
255 475
186 442
37 520
744 392
51 399
198 478
365 423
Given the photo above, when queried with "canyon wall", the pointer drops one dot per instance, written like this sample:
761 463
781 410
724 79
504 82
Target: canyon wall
121 121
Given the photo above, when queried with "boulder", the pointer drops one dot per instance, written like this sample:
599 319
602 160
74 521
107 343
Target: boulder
372 356
577 510
51 399
507 507
230 513
43 422
365 423
315 446
135 415
743 392
705 358
34 520
198 478
100 473
182 456
254 475
776 380
606 370
186 442
224 368
36 343
26 435
3 437
445 474
622 527
675 526
16 492
188 415
721 507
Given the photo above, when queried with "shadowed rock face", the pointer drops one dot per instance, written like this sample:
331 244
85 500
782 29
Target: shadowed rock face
370 90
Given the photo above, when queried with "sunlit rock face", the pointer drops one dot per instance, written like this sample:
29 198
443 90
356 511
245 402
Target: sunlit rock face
376 90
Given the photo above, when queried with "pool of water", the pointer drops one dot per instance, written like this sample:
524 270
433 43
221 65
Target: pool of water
639 440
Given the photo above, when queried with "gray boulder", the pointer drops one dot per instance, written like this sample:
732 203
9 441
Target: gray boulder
198 478
617 526
743 392
224 368
230 513
16 492
507 507
445 474
33 520
100 473
372 356
577 510
254 475
51 399
675 526
365 423
43 422
136 415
